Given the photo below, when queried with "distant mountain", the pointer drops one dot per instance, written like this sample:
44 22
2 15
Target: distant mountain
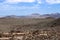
36 15
11 16
53 15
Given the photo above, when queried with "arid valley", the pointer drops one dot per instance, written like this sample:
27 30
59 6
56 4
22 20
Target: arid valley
29 29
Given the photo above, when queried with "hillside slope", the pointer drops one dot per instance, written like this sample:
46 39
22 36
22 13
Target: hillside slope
7 24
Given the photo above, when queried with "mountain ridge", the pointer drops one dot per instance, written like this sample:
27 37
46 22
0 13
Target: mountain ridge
35 15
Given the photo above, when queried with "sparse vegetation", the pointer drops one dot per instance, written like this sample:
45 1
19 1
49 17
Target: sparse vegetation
34 28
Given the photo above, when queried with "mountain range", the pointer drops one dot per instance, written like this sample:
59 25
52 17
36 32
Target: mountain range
35 15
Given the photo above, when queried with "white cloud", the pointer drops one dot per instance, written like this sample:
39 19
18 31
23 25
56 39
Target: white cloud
17 1
12 7
53 1
7 6
39 1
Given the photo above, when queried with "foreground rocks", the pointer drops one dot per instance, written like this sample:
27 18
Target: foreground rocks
31 35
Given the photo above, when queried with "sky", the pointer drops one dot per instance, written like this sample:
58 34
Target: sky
26 7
